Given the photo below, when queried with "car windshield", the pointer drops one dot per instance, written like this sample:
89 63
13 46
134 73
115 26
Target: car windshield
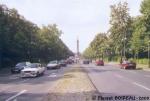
21 64
34 65
62 61
53 62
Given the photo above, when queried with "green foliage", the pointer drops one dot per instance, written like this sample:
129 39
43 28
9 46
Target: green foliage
97 47
143 61
137 40
134 33
120 30
21 40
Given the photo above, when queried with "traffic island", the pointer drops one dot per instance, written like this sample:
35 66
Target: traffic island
73 86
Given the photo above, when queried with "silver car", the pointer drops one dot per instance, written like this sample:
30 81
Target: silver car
34 70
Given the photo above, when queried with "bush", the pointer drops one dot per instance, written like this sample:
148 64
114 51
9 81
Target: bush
143 61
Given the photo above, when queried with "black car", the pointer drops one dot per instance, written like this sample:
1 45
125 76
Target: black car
53 65
86 61
19 66
69 61
62 63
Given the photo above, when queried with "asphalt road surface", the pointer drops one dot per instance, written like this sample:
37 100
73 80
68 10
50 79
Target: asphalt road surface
110 80
15 88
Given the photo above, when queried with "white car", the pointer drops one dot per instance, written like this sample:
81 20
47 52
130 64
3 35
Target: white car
34 70
53 65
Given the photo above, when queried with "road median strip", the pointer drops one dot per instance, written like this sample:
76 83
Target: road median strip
73 86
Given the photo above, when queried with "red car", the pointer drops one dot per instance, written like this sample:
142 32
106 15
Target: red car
128 65
100 63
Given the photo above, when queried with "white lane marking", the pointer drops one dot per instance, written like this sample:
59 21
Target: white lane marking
137 84
52 75
119 76
2 90
18 94
147 76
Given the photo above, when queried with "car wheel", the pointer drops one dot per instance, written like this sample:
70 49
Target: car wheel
37 74
42 73
134 68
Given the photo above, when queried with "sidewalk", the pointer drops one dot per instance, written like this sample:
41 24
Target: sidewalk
74 86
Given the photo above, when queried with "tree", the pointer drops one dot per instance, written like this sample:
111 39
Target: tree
88 53
137 40
120 30
145 10
22 40
97 47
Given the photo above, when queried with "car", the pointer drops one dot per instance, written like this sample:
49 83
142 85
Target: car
34 70
53 65
128 65
19 66
69 61
86 61
62 63
100 63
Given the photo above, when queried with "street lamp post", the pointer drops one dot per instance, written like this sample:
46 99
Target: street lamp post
124 47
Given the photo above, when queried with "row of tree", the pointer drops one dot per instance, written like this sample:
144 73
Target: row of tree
22 40
128 37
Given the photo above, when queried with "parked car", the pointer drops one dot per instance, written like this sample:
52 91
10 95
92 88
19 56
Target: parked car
34 70
100 63
86 61
128 65
19 66
62 63
53 65
69 61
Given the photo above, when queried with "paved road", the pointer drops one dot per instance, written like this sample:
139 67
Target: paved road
14 88
110 80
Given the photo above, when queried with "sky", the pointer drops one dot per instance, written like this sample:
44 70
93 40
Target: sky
76 18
